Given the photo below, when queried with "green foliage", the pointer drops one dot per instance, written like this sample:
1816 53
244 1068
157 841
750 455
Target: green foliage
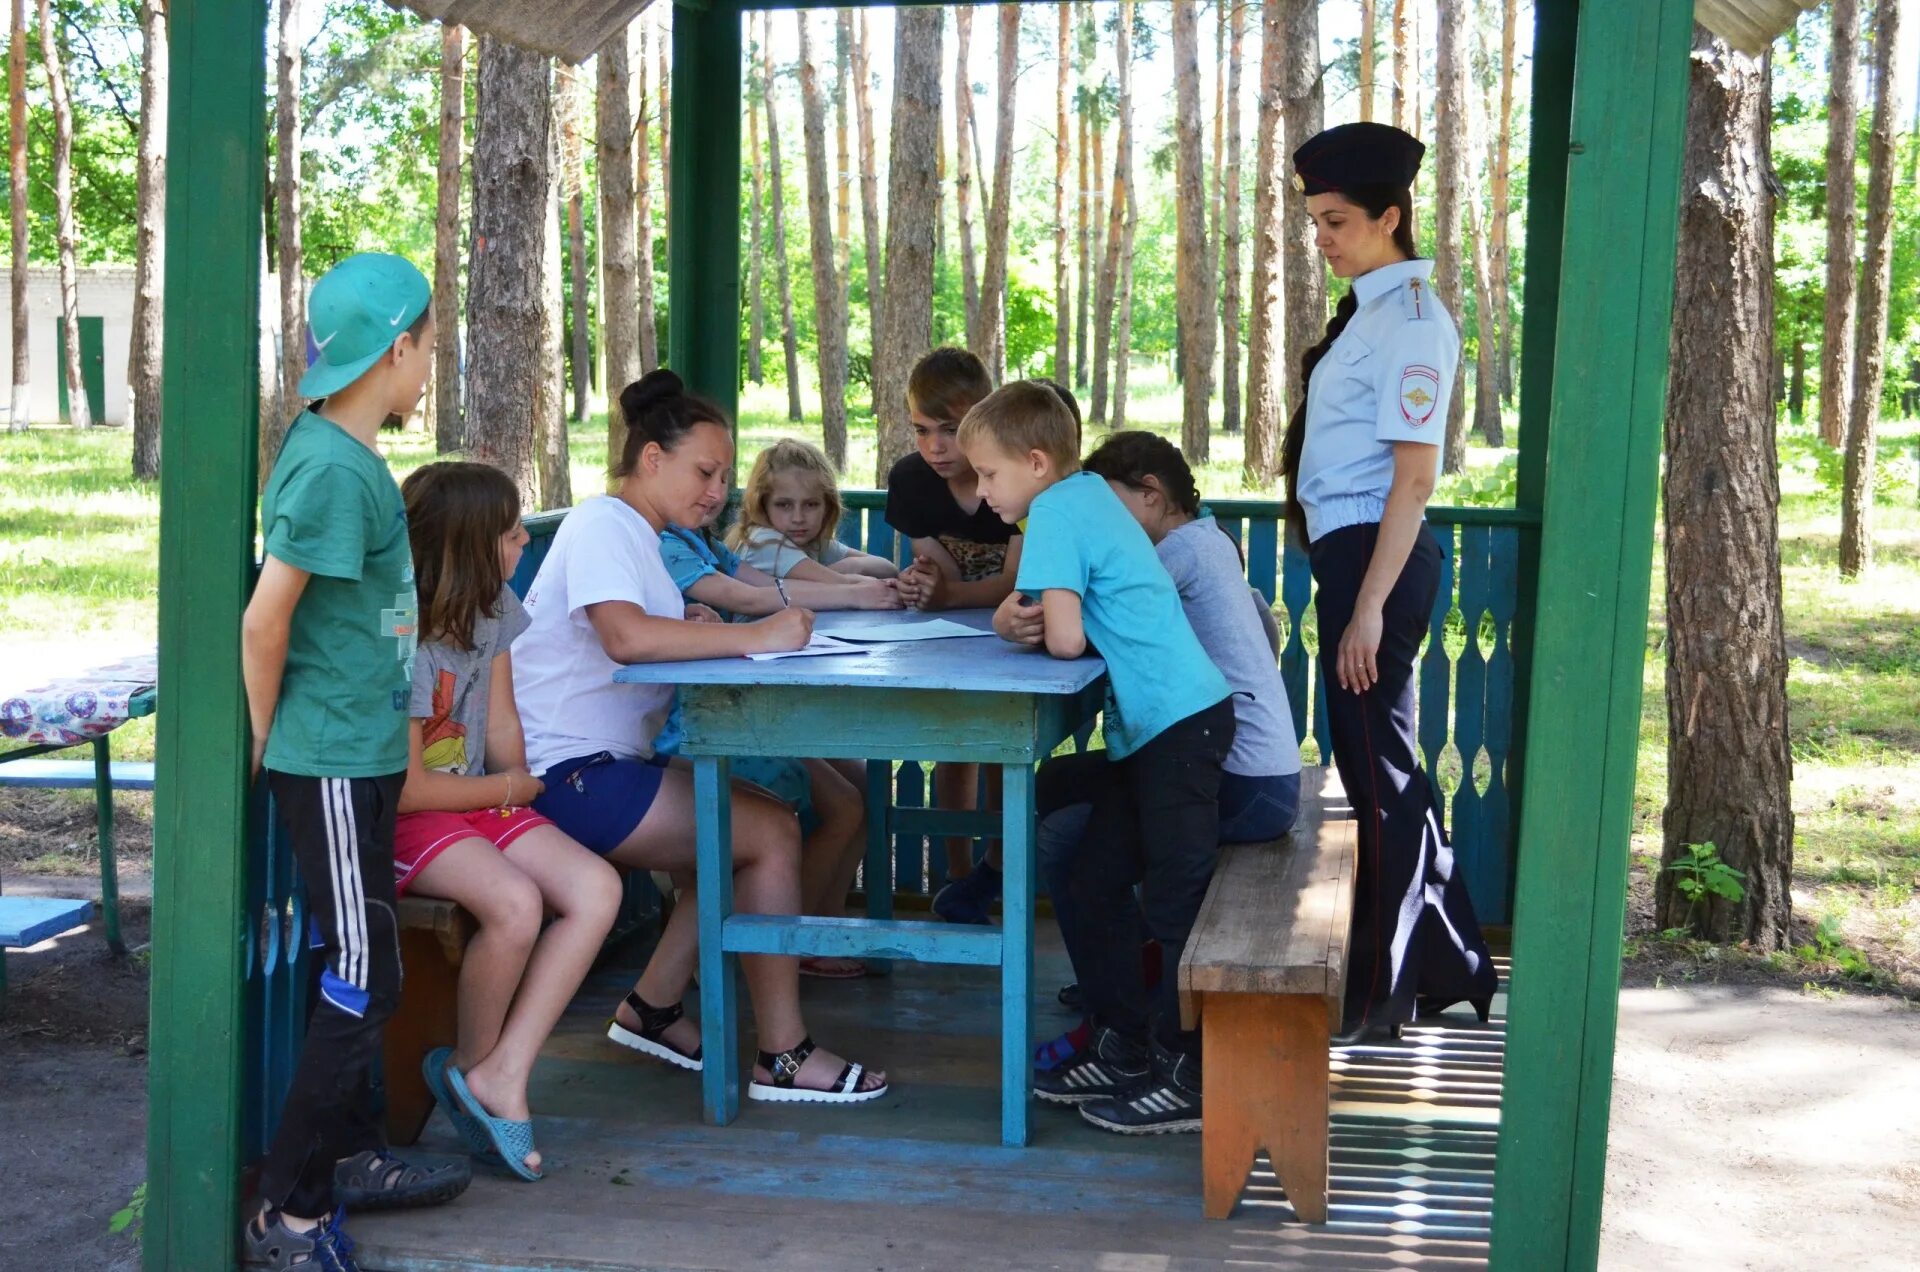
1030 327
1699 873
1497 487
130 1217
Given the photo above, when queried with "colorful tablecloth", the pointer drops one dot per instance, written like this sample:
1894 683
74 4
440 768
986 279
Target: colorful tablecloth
67 710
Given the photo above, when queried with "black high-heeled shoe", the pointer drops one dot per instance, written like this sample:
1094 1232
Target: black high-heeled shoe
1436 1006
1366 1034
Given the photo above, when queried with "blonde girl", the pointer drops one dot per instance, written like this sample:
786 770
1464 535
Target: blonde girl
465 832
788 514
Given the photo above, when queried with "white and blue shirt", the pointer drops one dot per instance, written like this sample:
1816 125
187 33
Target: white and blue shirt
1387 378
1080 537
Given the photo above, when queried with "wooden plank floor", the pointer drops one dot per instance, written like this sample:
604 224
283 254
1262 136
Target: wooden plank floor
919 1181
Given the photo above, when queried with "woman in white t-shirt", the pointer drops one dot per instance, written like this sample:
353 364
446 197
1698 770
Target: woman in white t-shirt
604 598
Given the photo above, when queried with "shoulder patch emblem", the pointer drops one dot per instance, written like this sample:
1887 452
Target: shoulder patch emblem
1419 391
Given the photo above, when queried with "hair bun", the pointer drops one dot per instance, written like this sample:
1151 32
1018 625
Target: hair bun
656 388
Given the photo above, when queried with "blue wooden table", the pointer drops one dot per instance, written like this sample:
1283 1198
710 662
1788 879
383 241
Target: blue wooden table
976 700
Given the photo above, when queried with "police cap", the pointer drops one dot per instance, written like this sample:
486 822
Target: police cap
1353 155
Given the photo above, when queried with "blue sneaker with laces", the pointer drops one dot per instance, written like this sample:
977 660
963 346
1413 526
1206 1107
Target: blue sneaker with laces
969 899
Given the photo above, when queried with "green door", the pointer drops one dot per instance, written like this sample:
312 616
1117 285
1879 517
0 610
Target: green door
93 364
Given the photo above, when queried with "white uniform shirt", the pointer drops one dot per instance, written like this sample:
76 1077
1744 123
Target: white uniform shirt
1387 378
562 677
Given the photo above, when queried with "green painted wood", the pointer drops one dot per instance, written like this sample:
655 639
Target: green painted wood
103 816
1596 549
703 237
1556 24
1496 852
216 150
1467 816
1435 670
93 364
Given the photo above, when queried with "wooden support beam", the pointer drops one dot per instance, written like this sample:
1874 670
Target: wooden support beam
1601 479
210 417
703 236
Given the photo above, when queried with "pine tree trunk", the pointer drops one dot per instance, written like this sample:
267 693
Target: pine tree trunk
1124 194
869 180
512 210
664 33
448 436
79 410
1843 278
756 278
1194 286
1082 203
550 383
1450 135
789 337
143 361
619 284
1490 323
1870 343
963 169
912 191
1729 771
1367 38
1303 269
572 180
843 168
1216 184
20 405
992 347
1266 338
289 259
1062 268
829 327
1499 258
1230 232
1403 115
643 248
1797 382
1106 291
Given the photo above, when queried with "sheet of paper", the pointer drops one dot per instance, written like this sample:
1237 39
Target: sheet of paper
817 645
927 629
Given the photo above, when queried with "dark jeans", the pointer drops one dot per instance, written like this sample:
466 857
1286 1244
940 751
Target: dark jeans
1252 810
1155 823
1414 930
341 833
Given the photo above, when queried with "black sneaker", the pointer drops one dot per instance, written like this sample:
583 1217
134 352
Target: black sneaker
1108 1067
378 1180
1165 1102
325 1247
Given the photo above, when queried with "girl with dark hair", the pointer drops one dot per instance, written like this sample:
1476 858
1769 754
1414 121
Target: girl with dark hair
604 597
1361 456
465 831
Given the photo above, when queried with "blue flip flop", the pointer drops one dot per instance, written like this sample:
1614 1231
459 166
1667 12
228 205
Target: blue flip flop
434 1069
511 1140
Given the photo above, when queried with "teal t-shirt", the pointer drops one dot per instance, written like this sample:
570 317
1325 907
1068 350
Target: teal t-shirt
332 508
1080 537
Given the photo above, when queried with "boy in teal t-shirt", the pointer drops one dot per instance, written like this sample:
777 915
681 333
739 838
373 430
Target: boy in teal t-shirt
1168 726
327 650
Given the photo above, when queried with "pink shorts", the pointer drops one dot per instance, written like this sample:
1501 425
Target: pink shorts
420 837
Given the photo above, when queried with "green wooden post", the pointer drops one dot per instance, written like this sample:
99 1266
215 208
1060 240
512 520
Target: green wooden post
703 238
217 167
1596 551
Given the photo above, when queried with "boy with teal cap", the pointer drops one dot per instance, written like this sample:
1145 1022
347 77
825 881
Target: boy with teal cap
327 652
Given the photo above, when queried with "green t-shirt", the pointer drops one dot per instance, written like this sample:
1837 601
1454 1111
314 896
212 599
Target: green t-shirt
332 509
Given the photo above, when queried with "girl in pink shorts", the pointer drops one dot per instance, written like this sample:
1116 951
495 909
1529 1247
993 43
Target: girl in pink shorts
465 832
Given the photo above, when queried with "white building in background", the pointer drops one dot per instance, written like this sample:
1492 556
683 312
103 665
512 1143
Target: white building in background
106 336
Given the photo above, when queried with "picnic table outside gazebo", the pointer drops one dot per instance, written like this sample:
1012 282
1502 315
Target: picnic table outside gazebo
1609 93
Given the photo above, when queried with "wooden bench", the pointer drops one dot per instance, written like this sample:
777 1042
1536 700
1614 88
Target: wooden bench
102 775
433 944
1263 976
28 921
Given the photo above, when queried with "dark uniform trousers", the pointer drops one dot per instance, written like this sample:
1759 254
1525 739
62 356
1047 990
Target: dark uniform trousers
1414 931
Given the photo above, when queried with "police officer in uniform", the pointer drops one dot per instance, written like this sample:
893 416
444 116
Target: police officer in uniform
1361 456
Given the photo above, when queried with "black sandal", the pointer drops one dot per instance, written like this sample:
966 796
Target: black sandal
377 1180
651 1040
785 1068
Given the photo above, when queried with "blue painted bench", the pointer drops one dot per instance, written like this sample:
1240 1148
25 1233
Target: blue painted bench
103 775
28 921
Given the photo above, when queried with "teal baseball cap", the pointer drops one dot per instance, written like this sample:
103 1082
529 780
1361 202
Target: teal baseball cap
356 312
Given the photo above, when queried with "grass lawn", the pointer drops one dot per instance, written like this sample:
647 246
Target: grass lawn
78 555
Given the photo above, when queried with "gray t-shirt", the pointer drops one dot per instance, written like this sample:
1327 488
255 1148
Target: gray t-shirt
1226 616
451 686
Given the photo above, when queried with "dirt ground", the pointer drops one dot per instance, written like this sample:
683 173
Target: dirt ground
1755 1128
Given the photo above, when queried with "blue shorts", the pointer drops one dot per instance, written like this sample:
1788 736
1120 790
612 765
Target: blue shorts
599 800
786 780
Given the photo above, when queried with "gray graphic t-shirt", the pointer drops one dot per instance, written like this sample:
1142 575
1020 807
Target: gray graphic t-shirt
450 690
